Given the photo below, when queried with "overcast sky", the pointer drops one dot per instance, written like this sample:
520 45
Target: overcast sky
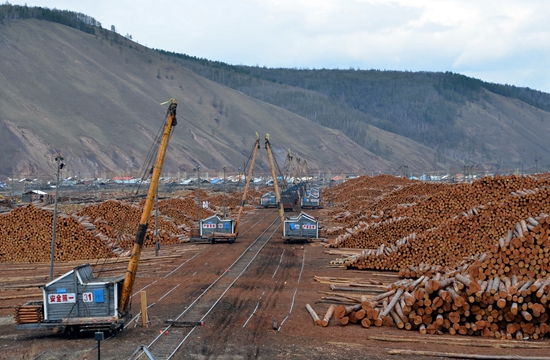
502 41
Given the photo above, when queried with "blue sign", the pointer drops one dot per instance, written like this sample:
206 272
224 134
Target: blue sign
98 295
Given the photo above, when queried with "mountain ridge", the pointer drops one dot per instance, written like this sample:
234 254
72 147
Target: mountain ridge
84 92
95 101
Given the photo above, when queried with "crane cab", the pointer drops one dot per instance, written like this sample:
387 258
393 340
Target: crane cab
214 228
73 302
300 228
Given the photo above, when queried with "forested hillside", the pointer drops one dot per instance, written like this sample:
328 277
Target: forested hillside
423 106
72 19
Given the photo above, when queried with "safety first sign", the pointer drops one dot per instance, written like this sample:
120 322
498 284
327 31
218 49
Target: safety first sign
61 298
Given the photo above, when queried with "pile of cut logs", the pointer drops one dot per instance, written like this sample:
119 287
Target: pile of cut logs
182 209
365 236
502 293
375 198
468 233
94 231
365 187
26 236
464 236
31 312
120 221
434 202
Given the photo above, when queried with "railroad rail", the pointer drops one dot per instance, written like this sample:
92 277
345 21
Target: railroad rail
251 222
164 346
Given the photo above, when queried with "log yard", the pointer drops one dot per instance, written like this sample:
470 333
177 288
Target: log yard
274 180
398 267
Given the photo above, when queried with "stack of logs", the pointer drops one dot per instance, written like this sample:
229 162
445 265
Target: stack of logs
120 220
31 312
436 203
503 293
231 201
183 209
467 234
26 235
94 231
374 199
365 236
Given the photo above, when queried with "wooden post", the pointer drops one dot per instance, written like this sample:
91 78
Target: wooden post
144 317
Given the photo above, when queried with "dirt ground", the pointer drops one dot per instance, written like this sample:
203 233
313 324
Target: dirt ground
275 284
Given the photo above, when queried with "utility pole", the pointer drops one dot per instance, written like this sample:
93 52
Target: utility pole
58 160
224 192
199 195
239 182
157 245
12 193
330 203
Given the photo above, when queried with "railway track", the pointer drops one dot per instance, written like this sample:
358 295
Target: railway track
254 221
158 285
173 337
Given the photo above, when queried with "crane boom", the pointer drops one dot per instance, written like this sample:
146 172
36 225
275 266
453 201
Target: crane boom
243 199
298 184
274 177
130 276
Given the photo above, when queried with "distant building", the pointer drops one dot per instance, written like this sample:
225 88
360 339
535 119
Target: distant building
37 196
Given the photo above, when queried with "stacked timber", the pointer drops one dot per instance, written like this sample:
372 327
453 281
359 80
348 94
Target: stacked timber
374 199
503 293
467 234
26 235
231 201
120 220
175 209
117 214
365 187
465 198
437 203
31 312
181 209
365 236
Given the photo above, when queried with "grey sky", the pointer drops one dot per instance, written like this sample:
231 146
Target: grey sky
500 41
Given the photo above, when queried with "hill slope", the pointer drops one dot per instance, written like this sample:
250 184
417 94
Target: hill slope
93 95
95 98
466 119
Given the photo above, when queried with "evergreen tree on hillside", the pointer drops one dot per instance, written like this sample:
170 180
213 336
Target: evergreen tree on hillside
69 18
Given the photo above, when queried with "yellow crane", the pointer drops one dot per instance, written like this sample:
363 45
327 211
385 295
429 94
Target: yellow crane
78 300
129 279
274 177
248 178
